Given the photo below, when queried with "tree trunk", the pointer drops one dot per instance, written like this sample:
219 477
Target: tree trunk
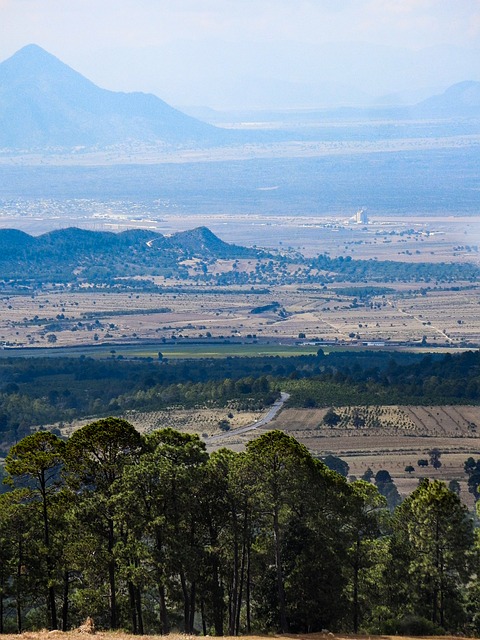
51 604
1 612
138 604
133 610
2 591
218 603
282 607
66 587
111 576
240 586
217 595
233 600
52 607
191 619
164 623
186 603
356 571
204 622
247 595
18 606
437 567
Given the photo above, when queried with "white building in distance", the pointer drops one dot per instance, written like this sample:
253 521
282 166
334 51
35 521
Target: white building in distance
360 217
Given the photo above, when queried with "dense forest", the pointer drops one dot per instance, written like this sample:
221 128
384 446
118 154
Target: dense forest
45 391
152 534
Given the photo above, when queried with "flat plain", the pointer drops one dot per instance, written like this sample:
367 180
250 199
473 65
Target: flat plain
443 313
437 315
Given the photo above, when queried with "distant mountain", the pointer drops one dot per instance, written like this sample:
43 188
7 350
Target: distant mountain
78 255
44 104
461 99
300 73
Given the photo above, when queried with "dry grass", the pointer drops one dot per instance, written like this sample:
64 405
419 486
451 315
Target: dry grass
118 635
192 420
200 420
456 423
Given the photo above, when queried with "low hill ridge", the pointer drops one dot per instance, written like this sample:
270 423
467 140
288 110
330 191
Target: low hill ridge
74 254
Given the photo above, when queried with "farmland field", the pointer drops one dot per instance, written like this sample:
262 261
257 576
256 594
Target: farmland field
392 438
294 197
437 315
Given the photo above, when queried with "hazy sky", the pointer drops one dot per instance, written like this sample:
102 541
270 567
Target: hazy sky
221 52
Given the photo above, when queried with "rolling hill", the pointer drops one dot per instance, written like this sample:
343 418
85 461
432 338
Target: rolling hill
79 255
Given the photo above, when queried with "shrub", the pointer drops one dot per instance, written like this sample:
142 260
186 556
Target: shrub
224 425
411 625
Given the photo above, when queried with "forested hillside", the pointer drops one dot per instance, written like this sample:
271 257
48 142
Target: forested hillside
152 534
78 255
129 259
35 392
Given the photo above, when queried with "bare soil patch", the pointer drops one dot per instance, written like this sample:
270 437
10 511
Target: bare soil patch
118 635
201 420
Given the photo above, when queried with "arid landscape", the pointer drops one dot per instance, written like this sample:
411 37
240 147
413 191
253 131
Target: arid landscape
405 314
188 318
439 313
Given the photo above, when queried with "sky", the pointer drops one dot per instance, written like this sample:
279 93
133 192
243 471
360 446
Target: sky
256 53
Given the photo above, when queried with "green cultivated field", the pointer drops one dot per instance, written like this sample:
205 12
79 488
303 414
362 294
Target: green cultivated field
168 351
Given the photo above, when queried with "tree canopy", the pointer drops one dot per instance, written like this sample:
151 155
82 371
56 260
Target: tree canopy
152 533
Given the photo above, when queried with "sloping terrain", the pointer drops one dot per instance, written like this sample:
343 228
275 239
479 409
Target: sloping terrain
46 104
461 99
73 254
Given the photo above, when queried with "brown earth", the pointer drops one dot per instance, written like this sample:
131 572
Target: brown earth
76 635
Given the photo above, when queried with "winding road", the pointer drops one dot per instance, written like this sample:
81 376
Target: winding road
268 417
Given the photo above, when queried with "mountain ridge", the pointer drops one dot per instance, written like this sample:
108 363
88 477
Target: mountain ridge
46 106
45 103
461 98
